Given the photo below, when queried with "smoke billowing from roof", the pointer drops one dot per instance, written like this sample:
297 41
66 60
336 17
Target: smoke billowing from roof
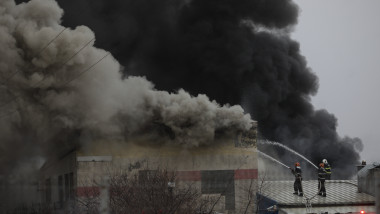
57 95
236 52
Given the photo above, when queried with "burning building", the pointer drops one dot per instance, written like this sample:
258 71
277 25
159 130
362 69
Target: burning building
226 171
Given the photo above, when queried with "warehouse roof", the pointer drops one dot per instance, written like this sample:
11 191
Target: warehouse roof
339 193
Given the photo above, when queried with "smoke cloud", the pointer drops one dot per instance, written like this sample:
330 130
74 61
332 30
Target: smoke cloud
236 52
58 93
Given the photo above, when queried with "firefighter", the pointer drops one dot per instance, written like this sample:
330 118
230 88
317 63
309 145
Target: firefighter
327 169
297 172
321 180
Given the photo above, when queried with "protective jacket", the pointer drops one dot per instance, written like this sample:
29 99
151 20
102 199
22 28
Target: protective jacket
321 181
322 174
297 172
328 171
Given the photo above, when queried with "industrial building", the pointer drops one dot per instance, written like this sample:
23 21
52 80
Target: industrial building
223 169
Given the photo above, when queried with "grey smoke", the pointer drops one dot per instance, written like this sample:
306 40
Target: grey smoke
42 115
236 52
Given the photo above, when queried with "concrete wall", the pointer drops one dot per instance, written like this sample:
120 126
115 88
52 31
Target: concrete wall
221 169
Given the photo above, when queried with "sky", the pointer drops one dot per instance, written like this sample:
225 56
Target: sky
341 42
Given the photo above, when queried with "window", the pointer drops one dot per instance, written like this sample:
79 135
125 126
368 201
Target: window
67 187
48 190
220 182
71 185
60 188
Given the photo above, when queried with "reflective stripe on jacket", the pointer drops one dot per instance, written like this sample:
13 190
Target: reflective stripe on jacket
328 168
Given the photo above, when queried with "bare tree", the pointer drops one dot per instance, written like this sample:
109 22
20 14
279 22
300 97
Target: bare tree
146 192
151 191
262 185
250 195
88 202
159 191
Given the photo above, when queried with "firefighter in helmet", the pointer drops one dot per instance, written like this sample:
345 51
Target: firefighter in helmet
327 169
297 172
321 180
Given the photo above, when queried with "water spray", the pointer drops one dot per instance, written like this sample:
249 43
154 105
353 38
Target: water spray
287 148
269 157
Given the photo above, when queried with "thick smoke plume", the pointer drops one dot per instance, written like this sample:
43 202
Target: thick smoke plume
57 93
237 52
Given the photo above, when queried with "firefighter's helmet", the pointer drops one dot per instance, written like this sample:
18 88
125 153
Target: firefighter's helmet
297 164
324 161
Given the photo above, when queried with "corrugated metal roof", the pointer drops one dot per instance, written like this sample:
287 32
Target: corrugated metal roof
339 193
332 209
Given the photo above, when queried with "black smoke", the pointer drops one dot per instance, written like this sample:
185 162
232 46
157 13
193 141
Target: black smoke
235 51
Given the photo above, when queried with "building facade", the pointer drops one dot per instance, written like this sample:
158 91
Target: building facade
226 170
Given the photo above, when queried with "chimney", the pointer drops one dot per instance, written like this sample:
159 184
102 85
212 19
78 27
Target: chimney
361 166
